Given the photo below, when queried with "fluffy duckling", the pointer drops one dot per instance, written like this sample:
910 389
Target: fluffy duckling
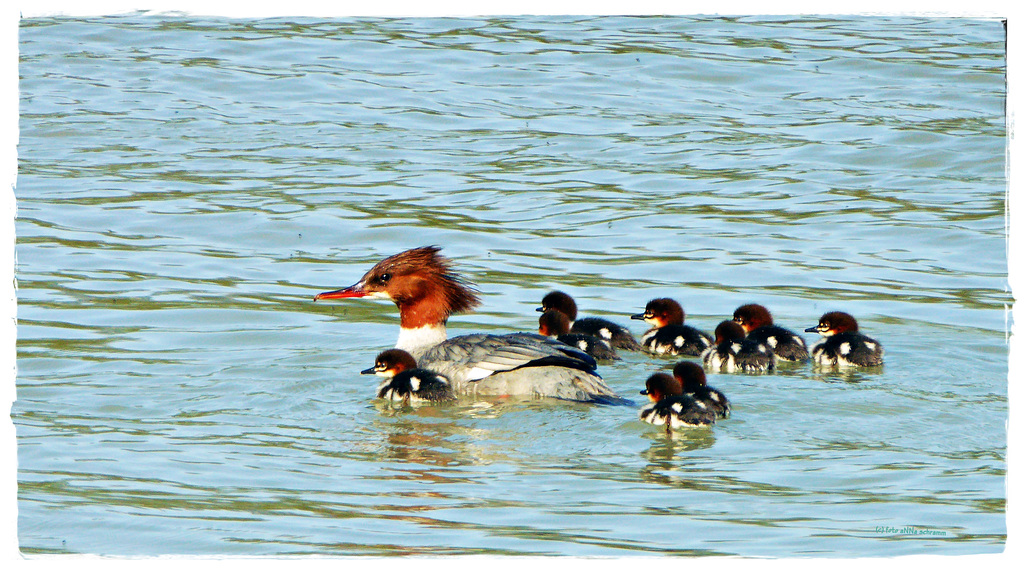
844 345
555 323
614 334
695 384
758 324
405 382
671 407
732 352
668 335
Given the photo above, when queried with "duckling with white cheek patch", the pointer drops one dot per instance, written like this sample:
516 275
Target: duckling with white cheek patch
758 324
844 345
669 336
732 352
407 383
670 407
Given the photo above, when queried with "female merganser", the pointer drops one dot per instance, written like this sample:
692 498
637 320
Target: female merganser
405 382
695 384
420 282
670 407
616 335
757 323
554 323
733 352
669 335
843 344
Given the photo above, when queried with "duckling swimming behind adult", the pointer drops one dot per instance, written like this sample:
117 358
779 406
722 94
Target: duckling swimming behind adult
616 335
556 324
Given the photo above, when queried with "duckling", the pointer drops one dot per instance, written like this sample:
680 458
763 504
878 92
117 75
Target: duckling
844 345
695 384
733 352
616 335
669 335
555 323
405 382
758 324
670 407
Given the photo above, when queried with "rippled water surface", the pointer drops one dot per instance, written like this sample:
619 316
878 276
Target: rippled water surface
187 185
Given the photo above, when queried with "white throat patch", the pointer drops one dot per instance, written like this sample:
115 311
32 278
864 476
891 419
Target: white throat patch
414 340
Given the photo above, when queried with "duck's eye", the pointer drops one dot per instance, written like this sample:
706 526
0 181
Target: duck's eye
385 278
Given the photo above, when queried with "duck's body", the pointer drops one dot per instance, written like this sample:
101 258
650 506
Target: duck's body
694 384
844 345
607 330
672 408
518 364
757 322
426 291
407 383
668 335
557 325
733 352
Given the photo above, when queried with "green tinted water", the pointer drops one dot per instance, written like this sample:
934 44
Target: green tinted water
187 185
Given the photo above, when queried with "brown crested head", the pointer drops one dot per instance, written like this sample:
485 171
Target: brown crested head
390 363
558 300
729 330
832 323
420 281
662 385
690 375
662 312
554 323
752 317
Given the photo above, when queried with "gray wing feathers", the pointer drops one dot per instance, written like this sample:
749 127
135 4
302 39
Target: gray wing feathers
488 364
498 353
